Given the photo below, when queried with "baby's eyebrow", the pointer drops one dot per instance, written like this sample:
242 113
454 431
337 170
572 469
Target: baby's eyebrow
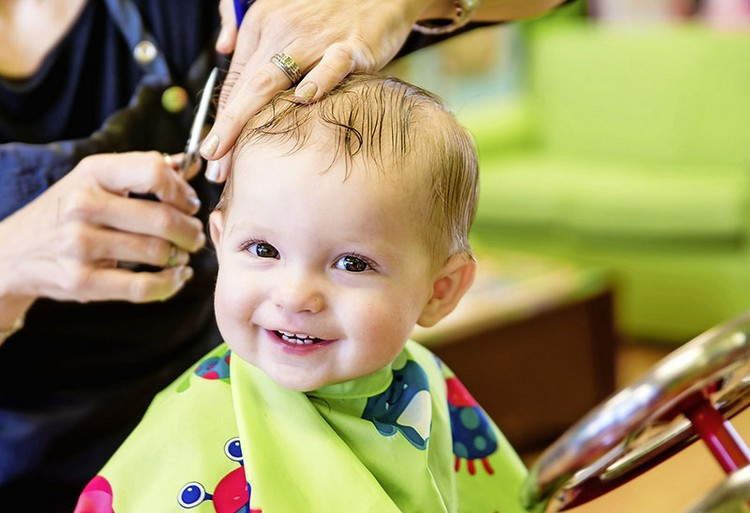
232 229
237 229
244 225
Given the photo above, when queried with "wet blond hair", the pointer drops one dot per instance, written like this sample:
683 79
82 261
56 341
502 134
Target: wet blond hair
395 126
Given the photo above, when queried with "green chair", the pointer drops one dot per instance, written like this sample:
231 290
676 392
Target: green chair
630 150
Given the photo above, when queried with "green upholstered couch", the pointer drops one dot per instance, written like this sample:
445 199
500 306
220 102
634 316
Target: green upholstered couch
630 149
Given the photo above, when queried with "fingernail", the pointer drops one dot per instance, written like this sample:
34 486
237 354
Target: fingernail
212 170
192 196
182 257
223 40
195 202
306 91
185 273
201 240
208 148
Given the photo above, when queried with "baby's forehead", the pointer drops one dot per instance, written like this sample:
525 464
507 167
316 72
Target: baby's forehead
319 156
266 171
309 177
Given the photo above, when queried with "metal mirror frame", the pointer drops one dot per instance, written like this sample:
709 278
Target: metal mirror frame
643 424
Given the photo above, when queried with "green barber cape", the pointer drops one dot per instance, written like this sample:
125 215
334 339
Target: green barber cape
225 438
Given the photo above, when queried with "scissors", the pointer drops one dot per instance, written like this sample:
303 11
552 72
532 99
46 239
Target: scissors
191 155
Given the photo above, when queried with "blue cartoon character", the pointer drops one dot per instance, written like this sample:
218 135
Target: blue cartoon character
215 367
211 367
404 406
473 436
232 493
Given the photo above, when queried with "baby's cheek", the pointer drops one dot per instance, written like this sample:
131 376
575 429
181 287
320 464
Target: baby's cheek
387 326
232 305
234 326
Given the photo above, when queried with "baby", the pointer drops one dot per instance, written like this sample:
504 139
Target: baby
344 224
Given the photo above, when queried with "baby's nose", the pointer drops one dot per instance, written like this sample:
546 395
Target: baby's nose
298 294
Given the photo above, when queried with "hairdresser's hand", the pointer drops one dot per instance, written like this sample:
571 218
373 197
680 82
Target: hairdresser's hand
327 38
66 243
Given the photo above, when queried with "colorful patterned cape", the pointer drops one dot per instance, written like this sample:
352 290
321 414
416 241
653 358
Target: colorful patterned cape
225 438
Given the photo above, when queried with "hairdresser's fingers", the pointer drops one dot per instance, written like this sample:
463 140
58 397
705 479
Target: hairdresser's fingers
246 43
247 97
252 79
217 171
138 216
225 43
97 284
142 173
109 246
267 28
248 37
251 83
338 61
213 170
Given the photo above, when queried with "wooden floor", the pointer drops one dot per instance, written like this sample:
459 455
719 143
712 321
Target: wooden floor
677 483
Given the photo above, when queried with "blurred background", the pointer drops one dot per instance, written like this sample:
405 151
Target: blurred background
614 143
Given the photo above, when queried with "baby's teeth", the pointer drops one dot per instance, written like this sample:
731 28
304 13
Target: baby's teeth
295 335
296 339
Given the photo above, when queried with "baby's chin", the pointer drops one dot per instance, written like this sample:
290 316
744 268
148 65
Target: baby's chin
290 377
300 383
299 386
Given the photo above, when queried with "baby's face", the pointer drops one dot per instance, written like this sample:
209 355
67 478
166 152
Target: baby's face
321 279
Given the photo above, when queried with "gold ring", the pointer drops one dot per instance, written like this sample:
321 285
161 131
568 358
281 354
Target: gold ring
172 260
289 66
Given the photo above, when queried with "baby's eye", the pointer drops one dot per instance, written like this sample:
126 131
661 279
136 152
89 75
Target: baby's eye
352 264
262 250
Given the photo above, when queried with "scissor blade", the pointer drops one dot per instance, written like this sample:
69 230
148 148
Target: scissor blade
200 116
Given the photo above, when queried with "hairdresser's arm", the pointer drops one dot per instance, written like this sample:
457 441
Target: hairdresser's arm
500 10
65 244
328 39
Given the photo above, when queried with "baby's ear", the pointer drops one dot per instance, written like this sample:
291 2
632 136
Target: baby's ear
454 280
215 227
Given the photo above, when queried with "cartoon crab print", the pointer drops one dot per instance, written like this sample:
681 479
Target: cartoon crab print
212 368
232 493
405 406
473 436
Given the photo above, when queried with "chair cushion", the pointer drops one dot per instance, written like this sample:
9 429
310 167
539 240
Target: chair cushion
614 200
